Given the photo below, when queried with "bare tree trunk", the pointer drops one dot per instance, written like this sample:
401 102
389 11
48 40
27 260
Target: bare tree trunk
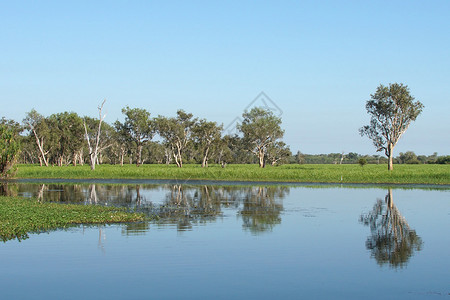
139 155
390 156
41 148
261 159
178 157
168 156
93 152
205 158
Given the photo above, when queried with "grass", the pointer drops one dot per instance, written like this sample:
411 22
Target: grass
402 174
20 216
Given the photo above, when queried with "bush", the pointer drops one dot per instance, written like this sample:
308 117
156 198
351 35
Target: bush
362 162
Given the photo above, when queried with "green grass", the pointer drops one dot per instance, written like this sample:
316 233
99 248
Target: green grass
402 174
20 216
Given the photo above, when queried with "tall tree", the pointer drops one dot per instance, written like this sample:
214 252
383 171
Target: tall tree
206 134
392 109
261 129
67 135
93 139
38 127
176 133
138 128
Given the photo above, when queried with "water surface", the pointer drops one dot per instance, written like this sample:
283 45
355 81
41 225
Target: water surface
237 242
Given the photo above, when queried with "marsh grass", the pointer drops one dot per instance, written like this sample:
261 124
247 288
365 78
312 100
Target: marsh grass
402 174
20 216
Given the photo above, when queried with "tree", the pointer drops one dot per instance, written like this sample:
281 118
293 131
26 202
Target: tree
138 129
176 133
9 147
278 153
38 127
409 157
206 134
93 139
392 109
261 129
67 137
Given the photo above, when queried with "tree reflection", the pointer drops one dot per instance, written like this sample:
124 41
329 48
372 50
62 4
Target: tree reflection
183 205
187 205
8 189
392 241
261 211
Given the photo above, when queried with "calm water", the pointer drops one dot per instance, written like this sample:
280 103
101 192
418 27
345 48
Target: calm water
237 242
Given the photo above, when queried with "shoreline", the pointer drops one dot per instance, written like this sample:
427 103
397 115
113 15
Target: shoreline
128 181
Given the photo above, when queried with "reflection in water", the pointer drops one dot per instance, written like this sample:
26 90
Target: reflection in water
261 211
8 189
180 205
392 241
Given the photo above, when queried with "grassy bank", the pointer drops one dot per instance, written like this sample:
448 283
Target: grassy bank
19 216
402 174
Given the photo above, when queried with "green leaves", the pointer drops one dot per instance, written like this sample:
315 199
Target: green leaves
9 149
392 109
261 129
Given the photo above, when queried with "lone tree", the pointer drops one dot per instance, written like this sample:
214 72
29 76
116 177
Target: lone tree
261 130
392 109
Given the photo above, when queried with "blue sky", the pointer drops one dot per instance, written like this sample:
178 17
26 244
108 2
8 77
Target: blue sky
319 61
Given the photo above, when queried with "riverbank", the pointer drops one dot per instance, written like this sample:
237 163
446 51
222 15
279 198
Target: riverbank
376 174
20 216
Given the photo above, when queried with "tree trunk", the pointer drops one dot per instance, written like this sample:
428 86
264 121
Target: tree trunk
205 158
178 157
261 159
41 148
390 156
139 156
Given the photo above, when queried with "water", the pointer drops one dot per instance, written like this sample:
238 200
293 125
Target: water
237 242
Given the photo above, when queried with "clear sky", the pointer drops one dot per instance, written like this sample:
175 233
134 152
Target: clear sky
318 61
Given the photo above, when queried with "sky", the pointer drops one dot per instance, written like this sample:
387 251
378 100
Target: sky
316 63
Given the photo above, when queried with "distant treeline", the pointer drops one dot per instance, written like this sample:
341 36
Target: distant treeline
408 157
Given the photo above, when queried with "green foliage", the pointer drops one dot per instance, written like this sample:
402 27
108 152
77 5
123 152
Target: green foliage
137 129
443 160
392 109
205 135
67 137
19 216
261 129
408 157
362 162
176 133
9 150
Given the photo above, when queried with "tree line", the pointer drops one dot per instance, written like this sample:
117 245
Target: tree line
408 157
67 138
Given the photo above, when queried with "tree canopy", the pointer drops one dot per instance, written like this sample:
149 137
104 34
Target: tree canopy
261 129
392 109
